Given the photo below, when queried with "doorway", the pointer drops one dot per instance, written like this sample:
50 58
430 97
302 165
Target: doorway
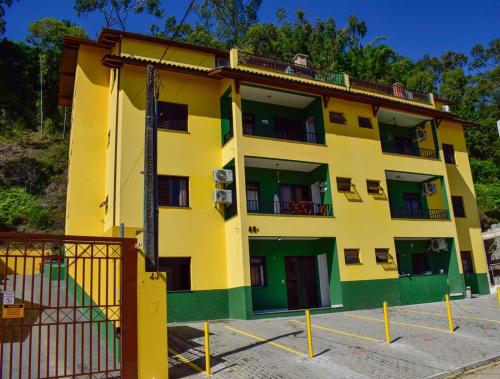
301 282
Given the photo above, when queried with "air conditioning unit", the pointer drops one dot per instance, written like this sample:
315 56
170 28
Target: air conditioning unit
420 134
429 188
223 196
438 244
446 108
223 176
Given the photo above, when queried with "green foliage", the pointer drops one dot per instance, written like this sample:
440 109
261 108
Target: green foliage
116 12
20 210
228 20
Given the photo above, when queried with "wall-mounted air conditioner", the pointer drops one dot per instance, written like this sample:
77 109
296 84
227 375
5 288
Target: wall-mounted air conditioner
223 196
438 244
429 188
223 176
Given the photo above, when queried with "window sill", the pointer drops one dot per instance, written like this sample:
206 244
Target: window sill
174 131
172 207
354 264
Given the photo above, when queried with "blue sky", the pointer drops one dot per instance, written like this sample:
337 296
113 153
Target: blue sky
413 28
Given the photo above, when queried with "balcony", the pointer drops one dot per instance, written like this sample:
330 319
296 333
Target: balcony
416 196
292 69
280 187
395 90
420 213
282 115
299 208
407 134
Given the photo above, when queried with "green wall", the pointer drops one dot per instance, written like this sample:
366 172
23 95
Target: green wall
478 283
274 295
423 288
388 134
397 188
361 294
267 111
269 186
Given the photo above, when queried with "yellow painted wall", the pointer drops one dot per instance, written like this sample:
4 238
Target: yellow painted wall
461 184
87 152
197 231
148 50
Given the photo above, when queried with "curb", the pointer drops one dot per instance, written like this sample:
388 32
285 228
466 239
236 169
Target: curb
462 369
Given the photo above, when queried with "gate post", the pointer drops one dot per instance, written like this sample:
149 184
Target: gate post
128 296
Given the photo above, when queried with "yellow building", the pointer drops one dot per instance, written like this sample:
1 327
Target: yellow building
281 186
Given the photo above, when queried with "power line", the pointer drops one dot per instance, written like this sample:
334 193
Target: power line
177 30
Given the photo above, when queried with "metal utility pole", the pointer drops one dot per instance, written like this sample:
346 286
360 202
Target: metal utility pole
150 173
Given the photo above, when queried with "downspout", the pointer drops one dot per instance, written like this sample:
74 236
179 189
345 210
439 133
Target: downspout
116 132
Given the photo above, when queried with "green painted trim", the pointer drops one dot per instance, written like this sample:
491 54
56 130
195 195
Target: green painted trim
82 298
478 283
58 271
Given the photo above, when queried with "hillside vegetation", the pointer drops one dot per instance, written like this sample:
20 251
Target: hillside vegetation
34 130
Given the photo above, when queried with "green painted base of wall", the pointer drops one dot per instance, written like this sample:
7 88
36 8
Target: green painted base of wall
209 305
54 271
478 283
104 328
370 293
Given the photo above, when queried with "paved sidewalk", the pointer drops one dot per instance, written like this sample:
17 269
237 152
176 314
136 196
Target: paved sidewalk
346 344
487 371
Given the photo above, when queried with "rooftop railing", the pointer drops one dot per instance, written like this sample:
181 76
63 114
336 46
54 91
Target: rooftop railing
394 90
292 69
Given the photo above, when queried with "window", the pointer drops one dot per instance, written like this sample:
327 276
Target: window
420 262
257 271
173 191
337 118
467 262
458 206
351 256
449 153
172 116
373 187
382 255
178 273
344 184
413 205
248 124
252 197
365 122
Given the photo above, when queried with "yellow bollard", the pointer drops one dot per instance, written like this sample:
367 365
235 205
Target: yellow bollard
448 308
208 371
309 336
386 321
498 294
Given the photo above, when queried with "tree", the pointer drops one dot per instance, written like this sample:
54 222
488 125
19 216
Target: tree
228 20
116 12
46 37
3 4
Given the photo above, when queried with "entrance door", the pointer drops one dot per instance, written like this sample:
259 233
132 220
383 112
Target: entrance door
301 282
324 283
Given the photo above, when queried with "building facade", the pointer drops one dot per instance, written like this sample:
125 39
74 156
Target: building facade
345 193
